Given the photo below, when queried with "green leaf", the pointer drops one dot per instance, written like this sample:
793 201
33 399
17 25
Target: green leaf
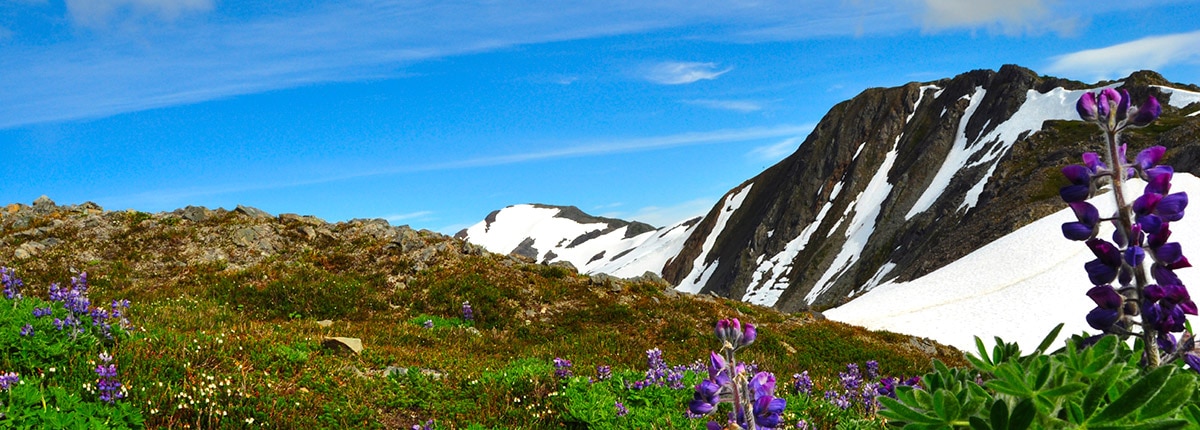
979 424
1156 425
946 405
1022 415
1099 388
1177 391
1049 339
1135 397
896 410
1064 390
999 415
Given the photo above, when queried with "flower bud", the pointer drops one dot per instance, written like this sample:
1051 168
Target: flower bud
1087 107
1147 113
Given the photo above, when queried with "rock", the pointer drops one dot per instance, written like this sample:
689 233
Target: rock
257 237
195 213
351 343
252 212
302 219
43 205
28 249
565 264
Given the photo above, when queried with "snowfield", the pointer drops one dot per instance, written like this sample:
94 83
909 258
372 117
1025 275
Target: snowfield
1018 287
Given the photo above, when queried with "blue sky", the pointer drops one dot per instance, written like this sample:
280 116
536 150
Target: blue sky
434 113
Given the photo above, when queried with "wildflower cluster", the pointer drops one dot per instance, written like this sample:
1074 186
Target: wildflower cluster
752 397
12 284
427 426
603 372
1122 289
658 373
859 390
562 368
75 300
107 384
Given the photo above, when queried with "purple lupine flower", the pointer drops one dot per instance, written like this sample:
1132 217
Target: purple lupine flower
802 425
1108 306
7 380
706 397
107 383
428 324
621 411
27 330
1105 268
872 369
1088 223
603 372
467 312
562 368
427 426
12 284
802 383
42 312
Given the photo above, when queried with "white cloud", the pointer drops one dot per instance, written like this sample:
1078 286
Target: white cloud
733 105
420 215
1119 60
98 13
679 73
777 151
661 216
1008 16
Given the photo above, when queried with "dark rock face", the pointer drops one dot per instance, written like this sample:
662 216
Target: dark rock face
886 147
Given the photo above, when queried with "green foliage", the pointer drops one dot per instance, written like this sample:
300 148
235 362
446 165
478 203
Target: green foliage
52 365
593 404
303 292
1101 386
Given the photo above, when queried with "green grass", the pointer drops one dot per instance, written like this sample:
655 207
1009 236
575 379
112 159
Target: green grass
235 343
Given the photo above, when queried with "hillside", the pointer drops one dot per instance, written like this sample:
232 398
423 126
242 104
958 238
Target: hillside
226 308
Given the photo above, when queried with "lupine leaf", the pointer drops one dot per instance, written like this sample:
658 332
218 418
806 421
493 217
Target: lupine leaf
1135 397
983 352
1173 394
1099 388
1065 390
979 424
896 410
1049 339
1075 413
1156 425
1022 416
999 415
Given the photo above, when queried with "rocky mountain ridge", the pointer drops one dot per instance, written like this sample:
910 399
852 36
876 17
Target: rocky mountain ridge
896 183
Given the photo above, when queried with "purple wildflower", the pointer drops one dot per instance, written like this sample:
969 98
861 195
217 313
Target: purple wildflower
621 411
467 312
107 383
562 367
603 372
27 330
802 383
428 324
12 284
7 380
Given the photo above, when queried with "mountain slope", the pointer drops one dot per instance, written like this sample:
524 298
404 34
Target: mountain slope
898 182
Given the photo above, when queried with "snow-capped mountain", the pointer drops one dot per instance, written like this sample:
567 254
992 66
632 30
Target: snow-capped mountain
592 244
890 186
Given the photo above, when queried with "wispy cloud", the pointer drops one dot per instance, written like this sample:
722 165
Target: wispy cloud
420 215
1010 16
777 151
1121 59
99 13
733 105
568 150
661 216
679 73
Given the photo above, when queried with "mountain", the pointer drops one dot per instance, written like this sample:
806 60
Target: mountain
889 187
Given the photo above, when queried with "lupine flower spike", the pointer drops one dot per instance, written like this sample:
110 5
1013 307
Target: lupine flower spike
752 396
1123 289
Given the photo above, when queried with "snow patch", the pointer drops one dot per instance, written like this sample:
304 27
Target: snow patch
1180 98
696 280
1018 287
866 209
